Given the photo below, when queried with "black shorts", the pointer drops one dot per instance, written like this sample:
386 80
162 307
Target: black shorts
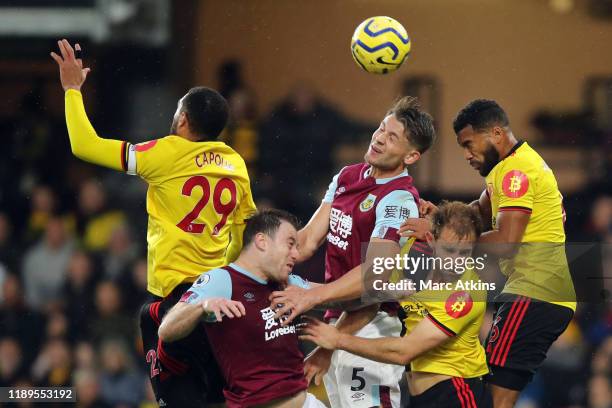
455 393
523 330
183 373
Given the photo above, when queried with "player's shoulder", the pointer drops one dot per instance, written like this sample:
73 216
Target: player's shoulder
215 276
215 283
223 148
399 202
164 145
521 165
524 158
148 145
397 195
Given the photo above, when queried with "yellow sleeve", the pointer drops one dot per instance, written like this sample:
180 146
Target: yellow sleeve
456 313
85 142
516 186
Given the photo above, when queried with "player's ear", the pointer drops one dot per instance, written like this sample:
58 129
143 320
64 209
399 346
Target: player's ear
183 120
497 134
412 157
260 241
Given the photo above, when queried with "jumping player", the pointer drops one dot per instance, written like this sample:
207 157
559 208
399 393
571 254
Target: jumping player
441 327
523 206
260 359
198 199
364 206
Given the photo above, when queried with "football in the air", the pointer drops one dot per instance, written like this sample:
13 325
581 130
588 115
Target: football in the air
380 45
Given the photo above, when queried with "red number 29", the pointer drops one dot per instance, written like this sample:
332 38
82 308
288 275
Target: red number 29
187 224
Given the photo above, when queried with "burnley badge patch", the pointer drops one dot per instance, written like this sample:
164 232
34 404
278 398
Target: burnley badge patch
368 203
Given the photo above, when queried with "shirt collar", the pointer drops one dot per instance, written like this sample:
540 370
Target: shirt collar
247 274
367 173
514 148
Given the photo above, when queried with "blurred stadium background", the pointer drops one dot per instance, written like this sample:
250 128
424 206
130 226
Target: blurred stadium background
72 236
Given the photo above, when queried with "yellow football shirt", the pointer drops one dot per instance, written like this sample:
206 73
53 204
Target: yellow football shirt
197 190
523 182
458 312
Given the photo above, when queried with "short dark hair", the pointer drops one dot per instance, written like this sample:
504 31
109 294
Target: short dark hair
462 218
267 222
207 112
418 124
481 114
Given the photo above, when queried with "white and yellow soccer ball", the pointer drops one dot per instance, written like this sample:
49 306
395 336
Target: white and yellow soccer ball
380 45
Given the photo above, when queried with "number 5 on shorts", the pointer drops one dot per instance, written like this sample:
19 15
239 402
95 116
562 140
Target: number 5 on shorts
356 377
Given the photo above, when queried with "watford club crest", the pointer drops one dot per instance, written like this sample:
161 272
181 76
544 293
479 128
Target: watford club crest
458 304
368 203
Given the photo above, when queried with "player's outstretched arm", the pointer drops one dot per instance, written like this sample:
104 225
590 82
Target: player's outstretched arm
392 350
350 286
183 317
313 234
317 363
180 321
84 140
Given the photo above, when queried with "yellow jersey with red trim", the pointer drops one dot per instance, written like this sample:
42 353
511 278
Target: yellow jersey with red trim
458 312
522 181
197 191
199 195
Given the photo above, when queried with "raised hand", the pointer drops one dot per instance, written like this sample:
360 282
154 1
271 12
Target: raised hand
72 73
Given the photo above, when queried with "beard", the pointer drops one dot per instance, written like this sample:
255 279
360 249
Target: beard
491 158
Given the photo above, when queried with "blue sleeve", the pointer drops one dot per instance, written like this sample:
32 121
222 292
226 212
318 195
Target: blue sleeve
216 283
296 280
391 211
331 190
